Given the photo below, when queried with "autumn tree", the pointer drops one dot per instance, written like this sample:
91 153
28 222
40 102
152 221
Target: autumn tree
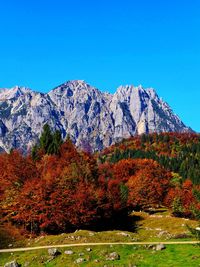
15 170
63 197
148 185
182 199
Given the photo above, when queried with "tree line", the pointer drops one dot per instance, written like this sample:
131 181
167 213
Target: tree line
59 187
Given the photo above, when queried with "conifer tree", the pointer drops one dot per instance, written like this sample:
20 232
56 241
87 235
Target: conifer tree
46 138
55 144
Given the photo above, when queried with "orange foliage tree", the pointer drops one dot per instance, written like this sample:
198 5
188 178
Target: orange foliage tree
64 195
147 181
182 200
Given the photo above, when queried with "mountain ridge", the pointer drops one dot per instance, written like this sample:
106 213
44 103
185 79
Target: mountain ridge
84 112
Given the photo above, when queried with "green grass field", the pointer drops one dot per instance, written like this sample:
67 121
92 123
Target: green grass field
173 255
160 226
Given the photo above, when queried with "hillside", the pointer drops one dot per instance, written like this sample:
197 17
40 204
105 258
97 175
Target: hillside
122 194
60 188
179 153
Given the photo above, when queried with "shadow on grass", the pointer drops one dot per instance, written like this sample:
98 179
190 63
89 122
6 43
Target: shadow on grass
155 211
122 223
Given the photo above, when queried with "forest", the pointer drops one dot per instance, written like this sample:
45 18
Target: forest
57 187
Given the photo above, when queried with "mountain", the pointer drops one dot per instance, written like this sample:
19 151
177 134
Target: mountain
88 115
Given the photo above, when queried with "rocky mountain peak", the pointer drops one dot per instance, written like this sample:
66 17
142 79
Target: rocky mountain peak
13 92
85 113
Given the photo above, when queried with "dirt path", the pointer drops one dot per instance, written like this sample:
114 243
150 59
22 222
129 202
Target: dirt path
98 244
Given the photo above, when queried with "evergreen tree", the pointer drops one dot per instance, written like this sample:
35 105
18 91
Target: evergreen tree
49 142
46 138
55 144
34 152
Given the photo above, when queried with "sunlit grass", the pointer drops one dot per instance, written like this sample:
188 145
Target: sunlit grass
173 255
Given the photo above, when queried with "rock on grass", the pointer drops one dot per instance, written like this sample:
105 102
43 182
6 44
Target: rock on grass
53 252
79 260
160 247
69 252
11 264
113 256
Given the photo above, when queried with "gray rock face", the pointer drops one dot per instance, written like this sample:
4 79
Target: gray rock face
88 115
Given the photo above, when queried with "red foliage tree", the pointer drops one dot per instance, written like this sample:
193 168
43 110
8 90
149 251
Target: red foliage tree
149 185
181 199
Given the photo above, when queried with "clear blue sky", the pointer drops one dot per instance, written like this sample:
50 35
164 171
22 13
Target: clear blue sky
155 43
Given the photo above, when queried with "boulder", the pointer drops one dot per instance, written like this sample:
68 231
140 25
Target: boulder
69 252
113 256
79 260
160 247
53 252
123 234
11 264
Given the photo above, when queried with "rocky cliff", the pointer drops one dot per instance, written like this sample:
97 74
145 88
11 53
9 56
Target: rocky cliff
85 113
